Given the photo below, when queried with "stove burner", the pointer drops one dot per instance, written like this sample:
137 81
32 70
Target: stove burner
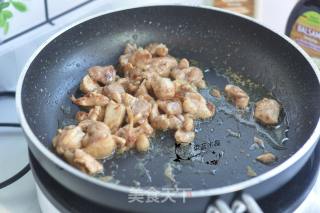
286 199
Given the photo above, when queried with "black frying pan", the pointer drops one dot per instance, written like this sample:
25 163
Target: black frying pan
216 40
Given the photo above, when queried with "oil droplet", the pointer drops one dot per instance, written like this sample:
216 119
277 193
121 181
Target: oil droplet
135 37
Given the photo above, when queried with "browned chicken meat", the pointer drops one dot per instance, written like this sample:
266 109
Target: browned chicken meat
104 75
170 107
96 113
197 106
156 92
175 122
68 143
184 137
163 88
88 85
90 100
86 163
81 116
267 111
163 65
239 97
157 49
114 91
192 74
114 115
68 139
98 141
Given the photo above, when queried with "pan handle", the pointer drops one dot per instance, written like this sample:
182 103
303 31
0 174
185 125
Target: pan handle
244 203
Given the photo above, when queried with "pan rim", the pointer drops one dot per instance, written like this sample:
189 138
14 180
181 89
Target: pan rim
312 141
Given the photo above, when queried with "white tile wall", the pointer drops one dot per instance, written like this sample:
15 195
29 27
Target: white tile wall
22 21
58 7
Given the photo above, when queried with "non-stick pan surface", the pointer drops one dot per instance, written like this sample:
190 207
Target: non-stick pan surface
218 42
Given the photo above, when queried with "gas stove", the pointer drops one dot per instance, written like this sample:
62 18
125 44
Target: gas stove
52 195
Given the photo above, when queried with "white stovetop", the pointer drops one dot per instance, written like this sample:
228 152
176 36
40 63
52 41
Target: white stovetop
21 196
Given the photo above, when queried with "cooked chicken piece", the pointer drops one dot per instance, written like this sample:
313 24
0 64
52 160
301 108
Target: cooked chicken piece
139 59
215 93
68 139
193 75
196 105
81 116
124 59
182 87
179 74
142 144
135 75
163 88
88 125
175 122
127 99
68 155
188 123
148 77
126 67
170 107
161 122
130 134
98 141
184 137
96 113
114 91
121 142
86 163
154 111
237 96
267 111
99 90
266 158
146 128
114 115
124 82
104 75
134 55
91 99
133 86
88 85
143 92
139 108
157 49
183 63
163 65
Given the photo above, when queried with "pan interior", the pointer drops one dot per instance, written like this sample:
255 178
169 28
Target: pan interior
221 43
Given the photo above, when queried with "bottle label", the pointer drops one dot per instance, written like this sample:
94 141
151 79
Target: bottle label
306 32
246 7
